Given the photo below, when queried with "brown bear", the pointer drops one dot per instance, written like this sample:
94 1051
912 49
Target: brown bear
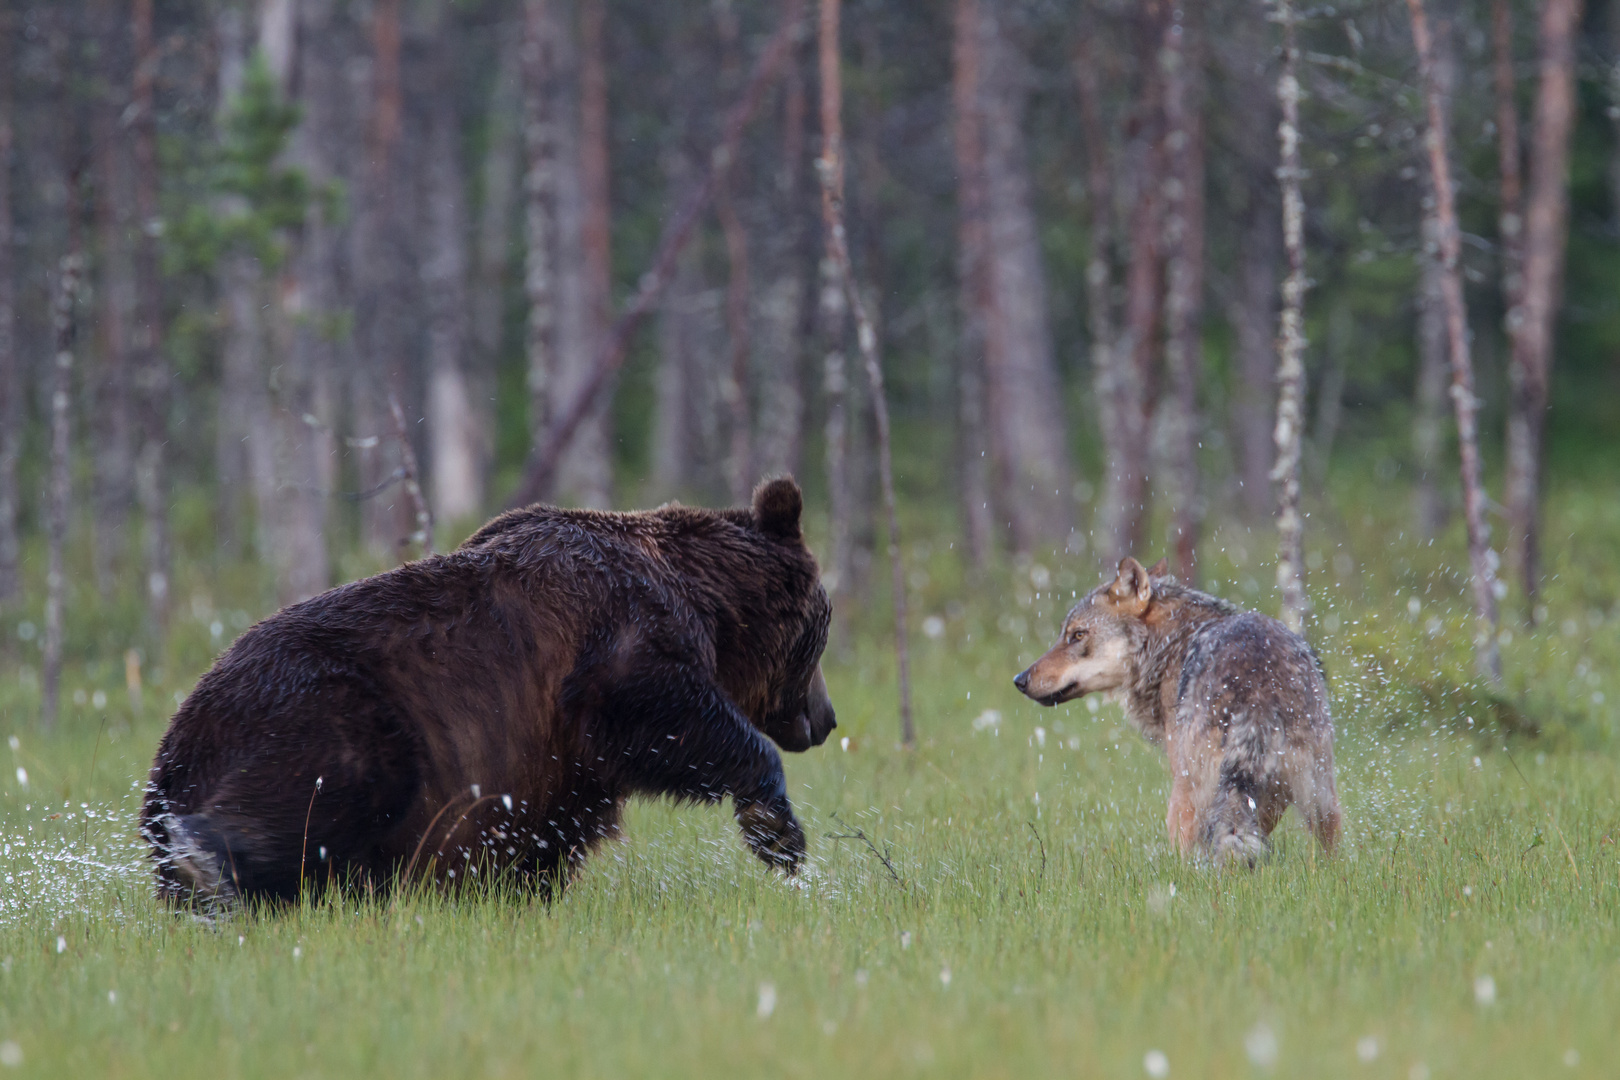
485 713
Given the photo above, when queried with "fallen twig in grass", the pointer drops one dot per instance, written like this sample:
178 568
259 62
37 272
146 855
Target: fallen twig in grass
883 856
1570 855
1042 844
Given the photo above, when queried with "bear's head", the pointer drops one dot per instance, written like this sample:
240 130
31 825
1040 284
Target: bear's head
789 701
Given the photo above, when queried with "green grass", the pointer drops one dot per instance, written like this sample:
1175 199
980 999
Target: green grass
1030 855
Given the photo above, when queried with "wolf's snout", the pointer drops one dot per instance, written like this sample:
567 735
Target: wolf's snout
1021 680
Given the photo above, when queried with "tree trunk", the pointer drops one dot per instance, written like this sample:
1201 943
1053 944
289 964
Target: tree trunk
585 472
308 304
1429 398
59 497
1290 341
245 443
1545 236
735 384
1429 401
540 211
1026 425
783 308
1181 58
244 477
973 279
1127 386
147 361
381 310
115 299
1245 51
1253 316
453 424
831 168
11 372
1480 555
500 184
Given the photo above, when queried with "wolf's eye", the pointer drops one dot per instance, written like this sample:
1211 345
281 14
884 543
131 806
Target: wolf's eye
1075 636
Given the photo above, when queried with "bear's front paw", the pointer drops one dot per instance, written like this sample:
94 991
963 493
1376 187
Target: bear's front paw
773 832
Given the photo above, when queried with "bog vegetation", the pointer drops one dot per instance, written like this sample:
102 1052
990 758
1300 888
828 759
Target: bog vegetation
291 290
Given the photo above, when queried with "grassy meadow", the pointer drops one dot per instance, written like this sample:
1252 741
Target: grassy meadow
1014 908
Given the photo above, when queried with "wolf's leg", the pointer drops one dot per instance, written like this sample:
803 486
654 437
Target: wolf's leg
1318 799
1180 817
671 731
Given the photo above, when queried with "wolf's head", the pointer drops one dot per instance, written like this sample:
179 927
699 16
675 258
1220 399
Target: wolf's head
1101 640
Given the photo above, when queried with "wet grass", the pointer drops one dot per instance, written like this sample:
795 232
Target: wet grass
1035 921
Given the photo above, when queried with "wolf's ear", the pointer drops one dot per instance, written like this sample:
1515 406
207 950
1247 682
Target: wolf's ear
778 505
1132 590
1160 568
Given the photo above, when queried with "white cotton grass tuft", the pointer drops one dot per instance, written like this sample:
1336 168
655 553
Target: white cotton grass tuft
933 627
1261 1045
61 944
767 1001
945 977
1485 991
1367 1049
1155 1064
11 1054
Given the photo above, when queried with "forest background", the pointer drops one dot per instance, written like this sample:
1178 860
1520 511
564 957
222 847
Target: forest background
287 221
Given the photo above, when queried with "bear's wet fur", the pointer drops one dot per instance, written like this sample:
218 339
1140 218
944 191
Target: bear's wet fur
483 714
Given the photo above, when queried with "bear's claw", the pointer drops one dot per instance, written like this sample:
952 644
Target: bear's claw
773 833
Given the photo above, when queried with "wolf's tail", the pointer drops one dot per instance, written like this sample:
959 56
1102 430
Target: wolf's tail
1231 831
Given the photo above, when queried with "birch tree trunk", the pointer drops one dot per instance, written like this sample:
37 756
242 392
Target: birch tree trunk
1480 555
1182 61
11 372
1290 340
59 497
1545 237
1025 405
973 279
148 364
831 168
453 425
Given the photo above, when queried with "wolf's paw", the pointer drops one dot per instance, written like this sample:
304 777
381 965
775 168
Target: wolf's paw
773 833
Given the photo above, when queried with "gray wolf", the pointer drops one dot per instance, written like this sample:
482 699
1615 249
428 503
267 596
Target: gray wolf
1236 700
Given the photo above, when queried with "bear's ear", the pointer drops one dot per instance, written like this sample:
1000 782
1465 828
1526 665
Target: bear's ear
778 504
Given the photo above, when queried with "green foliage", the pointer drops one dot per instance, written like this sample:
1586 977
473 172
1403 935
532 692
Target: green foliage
245 197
